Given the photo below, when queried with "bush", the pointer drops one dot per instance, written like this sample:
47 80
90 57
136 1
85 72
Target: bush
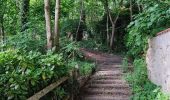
27 41
141 86
22 74
86 68
94 45
70 49
153 19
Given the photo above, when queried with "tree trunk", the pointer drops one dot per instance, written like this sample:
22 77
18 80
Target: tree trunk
107 23
113 30
2 33
2 36
2 30
131 10
139 7
113 22
48 23
56 27
24 14
107 29
79 31
112 36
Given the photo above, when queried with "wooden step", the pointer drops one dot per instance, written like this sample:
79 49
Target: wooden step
103 91
109 69
107 83
107 77
111 86
116 81
98 97
107 72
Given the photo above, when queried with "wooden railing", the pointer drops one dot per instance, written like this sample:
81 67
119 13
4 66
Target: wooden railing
73 75
46 90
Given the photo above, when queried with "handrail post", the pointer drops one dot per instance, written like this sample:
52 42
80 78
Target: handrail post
74 78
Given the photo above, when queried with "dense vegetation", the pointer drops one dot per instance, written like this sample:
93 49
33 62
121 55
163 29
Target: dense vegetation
153 19
35 54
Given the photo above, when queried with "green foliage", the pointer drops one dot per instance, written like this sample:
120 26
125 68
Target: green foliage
9 10
28 69
22 74
125 64
86 68
153 19
70 49
70 25
142 88
27 41
60 93
94 44
146 25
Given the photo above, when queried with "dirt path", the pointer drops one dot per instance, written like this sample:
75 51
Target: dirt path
107 82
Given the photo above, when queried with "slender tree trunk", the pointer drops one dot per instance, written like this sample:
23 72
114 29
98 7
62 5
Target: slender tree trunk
1 38
107 29
80 21
48 23
131 10
2 34
108 19
112 36
139 7
113 22
24 14
113 30
56 27
2 30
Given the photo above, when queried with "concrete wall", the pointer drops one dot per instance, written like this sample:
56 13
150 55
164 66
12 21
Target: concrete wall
158 60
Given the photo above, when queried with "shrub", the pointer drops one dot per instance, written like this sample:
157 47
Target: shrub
141 86
22 74
27 41
153 19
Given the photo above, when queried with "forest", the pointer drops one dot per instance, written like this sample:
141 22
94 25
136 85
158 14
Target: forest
41 41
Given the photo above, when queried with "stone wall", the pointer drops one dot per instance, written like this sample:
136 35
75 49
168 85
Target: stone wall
158 60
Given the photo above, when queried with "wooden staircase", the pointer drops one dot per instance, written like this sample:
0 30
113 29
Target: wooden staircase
107 82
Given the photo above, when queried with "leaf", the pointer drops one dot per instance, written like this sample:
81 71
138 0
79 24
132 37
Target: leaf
33 82
11 80
43 76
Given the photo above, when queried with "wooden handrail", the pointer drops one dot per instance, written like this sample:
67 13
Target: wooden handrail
47 89
73 75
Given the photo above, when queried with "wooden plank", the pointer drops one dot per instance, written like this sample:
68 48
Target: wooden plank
46 90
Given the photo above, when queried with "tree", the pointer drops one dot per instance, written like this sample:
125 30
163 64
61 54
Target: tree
1 24
56 27
24 14
79 32
117 4
2 13
52 39
48 23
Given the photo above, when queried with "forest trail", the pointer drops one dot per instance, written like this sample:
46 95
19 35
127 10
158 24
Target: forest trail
107 82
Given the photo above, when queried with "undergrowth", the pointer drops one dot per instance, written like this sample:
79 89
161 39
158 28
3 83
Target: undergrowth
94 45
142 87
25 71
